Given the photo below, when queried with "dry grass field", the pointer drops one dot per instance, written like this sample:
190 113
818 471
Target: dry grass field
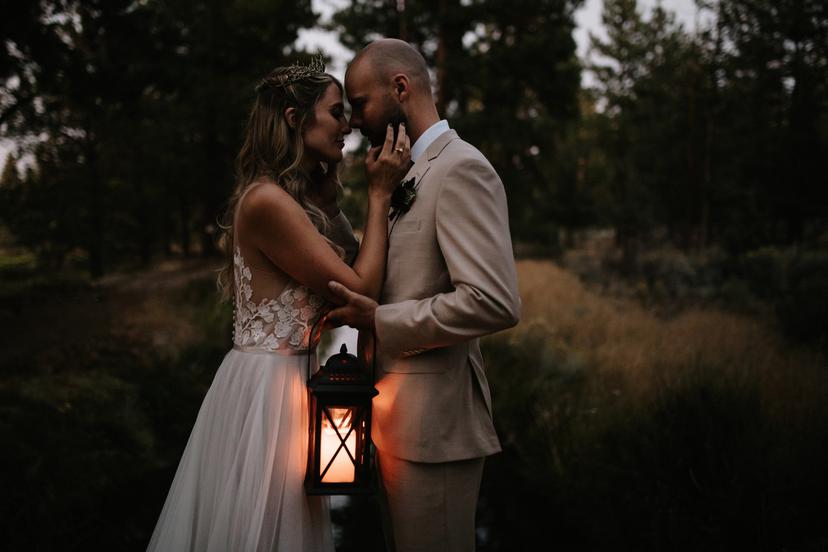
625 429
622 428
632 344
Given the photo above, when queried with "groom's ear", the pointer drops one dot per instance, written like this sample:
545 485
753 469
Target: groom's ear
402 86
290 116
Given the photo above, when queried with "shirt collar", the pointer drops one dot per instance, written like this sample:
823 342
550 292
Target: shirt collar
426 138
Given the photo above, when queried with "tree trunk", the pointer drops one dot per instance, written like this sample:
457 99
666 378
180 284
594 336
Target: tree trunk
449 46
402 25
95 241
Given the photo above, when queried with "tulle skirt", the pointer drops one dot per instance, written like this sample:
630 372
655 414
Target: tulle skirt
239 485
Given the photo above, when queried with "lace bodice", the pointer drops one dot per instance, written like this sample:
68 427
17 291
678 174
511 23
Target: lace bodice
282 321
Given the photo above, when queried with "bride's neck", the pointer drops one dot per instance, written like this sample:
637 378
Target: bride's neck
310 164
322 192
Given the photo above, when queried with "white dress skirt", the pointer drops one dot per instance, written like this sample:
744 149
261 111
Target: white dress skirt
239 485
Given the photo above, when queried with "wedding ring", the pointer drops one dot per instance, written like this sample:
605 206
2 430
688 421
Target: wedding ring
398 150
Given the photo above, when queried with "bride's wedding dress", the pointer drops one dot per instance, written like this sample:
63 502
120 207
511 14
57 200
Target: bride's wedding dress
239 485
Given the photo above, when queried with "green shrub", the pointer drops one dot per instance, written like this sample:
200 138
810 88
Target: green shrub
697 464
17 266
669 271
765 271
735 294
540 405
803 308
93 432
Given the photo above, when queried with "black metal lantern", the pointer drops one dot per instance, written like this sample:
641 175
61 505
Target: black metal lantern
339 434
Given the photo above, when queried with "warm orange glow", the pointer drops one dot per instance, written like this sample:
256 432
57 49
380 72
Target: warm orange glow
342 470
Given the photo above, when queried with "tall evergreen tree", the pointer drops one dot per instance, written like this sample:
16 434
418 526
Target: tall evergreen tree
650 79
775 67
143 105
715 135
506 77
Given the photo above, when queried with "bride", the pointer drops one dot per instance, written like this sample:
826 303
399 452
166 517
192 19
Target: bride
239 485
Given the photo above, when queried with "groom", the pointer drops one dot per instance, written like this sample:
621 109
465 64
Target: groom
450 278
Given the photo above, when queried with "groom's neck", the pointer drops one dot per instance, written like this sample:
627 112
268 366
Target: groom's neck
420 118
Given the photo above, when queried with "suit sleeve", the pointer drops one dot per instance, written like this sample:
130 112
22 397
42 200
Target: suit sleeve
473 236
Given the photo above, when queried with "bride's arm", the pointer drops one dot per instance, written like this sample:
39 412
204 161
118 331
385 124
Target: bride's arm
280 228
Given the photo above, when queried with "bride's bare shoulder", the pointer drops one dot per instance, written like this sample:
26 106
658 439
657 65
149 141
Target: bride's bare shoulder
266 199
264 193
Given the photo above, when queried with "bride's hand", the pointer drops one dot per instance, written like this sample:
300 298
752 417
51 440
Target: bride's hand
386 166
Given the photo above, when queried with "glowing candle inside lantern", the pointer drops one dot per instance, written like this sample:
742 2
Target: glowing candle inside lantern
342 470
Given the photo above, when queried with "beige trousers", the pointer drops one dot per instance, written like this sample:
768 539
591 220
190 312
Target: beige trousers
429 507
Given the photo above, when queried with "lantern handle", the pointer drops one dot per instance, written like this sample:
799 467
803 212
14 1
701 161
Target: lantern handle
374 360
311 339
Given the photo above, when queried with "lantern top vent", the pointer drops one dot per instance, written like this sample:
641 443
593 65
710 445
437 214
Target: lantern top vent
343 362
343 372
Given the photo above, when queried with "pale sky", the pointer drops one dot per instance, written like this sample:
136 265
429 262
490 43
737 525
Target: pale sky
588 17
588 20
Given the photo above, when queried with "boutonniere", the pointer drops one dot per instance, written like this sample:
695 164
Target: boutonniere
402 198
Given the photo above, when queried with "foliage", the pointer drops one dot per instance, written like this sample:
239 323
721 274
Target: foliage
789 282
706 132
693 431
619 430
700 463
802 307
134 112
94 429
507 80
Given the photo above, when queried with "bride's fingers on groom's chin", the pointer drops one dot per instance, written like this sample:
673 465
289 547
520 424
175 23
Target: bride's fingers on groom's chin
401 136
388 145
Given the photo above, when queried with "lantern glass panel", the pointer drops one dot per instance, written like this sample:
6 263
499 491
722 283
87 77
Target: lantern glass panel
339 432
338 446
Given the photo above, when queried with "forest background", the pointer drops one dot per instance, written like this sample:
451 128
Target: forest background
666 387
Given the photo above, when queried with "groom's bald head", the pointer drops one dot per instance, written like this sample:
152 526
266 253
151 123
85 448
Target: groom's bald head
388 83
384 58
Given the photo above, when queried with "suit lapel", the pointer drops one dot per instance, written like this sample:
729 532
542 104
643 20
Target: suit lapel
420 168
423 164
437 146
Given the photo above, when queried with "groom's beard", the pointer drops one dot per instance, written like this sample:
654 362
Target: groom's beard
377 135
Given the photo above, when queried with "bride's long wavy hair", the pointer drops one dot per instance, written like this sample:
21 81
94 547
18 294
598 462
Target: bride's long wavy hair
273 150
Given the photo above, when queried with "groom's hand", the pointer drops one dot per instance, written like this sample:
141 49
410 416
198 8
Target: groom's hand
357 311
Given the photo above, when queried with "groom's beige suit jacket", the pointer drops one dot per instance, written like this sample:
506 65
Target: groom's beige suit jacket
450 279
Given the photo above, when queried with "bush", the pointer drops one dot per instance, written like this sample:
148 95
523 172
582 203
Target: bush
93 431
540 406
803 307
668 270
765 271
700 463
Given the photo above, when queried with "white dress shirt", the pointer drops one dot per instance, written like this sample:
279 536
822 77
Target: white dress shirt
426 138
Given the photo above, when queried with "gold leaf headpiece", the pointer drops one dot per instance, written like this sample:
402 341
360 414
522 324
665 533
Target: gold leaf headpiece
296 72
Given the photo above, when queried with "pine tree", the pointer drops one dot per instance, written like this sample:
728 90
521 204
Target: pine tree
507 79
10 177
140 108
